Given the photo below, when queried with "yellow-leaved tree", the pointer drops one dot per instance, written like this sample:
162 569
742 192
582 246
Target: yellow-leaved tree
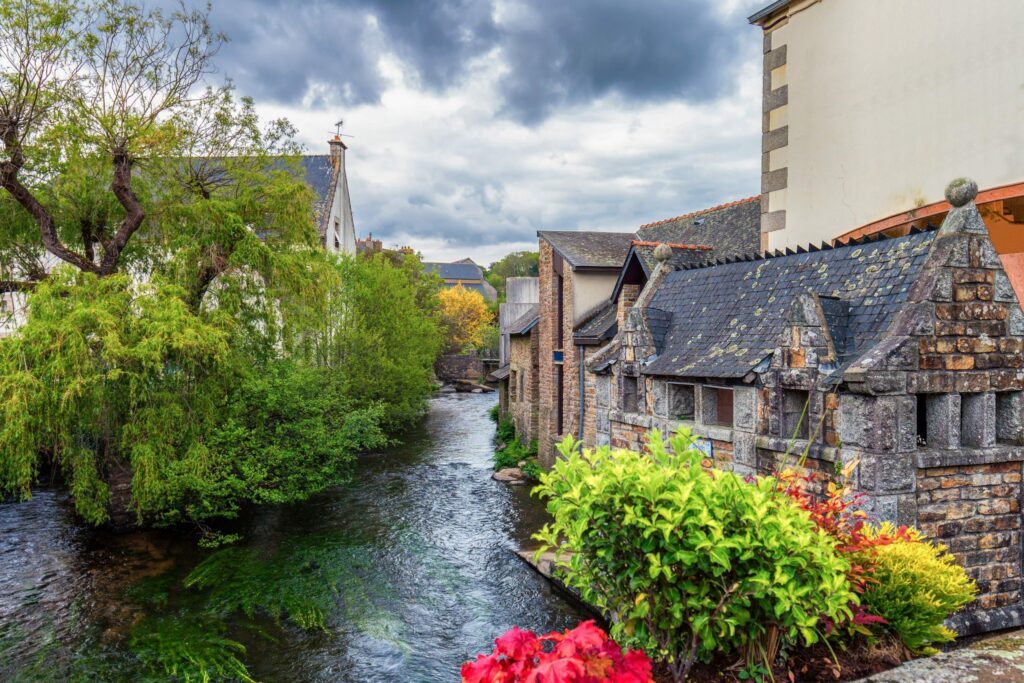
464 315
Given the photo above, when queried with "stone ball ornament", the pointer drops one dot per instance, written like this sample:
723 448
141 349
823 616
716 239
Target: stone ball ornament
662 253
961 191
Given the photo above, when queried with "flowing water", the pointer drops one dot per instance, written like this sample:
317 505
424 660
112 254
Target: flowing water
399 576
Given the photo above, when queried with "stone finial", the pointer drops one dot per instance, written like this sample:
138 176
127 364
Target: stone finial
964 216
961 191
662 253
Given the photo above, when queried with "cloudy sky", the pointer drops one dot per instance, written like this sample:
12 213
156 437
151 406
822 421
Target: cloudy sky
478 122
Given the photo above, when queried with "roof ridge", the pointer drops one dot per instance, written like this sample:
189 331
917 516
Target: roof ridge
674 245
824 246
701 212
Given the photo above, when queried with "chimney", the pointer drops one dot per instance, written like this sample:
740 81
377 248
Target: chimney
337 152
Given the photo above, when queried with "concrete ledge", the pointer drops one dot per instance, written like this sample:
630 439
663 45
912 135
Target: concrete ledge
928 458
986 621
797 447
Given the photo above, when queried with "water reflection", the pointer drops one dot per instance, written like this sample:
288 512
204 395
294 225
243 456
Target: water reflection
399 576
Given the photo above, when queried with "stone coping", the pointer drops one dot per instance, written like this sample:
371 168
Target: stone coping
926 458
796 447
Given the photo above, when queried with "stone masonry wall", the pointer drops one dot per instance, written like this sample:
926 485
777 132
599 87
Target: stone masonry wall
975 511
523 406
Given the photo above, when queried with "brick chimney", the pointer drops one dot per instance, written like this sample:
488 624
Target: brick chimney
337 152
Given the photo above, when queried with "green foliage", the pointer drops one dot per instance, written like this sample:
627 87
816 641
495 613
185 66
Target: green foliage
915 586
490 339
532 468
495 413
693 562
187 649
516 264
514 452
105 372
372 332
506 430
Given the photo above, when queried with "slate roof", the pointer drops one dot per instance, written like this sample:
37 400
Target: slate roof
455 271
604 250
601 324
732 229
725 318
318 171
526 321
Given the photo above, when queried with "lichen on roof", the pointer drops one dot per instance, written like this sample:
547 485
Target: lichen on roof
589 249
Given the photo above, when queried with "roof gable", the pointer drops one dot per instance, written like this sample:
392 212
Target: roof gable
731 229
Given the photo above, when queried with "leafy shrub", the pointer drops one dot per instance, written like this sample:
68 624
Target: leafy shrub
532 469
583 654
495 413
506 431
515 451
693 562
915 586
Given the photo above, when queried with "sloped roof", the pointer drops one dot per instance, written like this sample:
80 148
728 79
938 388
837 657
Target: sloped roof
731 229
601 324
598 250
725 318
319 172
455 271
526 321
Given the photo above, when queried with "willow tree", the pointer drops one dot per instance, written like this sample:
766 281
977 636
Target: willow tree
165 237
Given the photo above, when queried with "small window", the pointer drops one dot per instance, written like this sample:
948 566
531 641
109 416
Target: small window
716 403
521 383
681 401
794 412
513 383
629 394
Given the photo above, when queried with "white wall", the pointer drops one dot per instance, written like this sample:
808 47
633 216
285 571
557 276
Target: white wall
889 100
590 290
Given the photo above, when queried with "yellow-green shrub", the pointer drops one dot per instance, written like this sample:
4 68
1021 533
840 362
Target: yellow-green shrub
916 586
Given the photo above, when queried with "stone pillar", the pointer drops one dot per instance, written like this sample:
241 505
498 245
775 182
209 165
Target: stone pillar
942 415
978 420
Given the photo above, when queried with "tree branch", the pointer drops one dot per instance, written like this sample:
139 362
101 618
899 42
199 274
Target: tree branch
134 213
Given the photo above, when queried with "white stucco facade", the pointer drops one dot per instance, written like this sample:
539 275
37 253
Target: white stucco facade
880 103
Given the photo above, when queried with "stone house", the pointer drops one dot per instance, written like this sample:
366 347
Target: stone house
902 353
588 280
578 271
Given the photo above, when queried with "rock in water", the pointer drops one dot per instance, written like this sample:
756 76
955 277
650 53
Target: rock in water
510 475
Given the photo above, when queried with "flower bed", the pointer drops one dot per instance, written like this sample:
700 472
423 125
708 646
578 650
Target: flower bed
715 576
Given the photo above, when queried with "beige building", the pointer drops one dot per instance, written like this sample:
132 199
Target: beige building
871 106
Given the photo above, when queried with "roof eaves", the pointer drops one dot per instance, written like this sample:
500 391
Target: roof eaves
767 11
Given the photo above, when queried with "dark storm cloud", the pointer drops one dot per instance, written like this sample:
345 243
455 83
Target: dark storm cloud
557 51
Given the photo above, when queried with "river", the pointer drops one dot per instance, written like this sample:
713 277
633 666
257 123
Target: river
399 576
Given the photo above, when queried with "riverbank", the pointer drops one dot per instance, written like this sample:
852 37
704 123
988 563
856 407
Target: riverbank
415 563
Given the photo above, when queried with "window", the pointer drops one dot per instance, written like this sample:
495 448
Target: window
513 382
716 405
560 398
681 401
795 413
629 394
521 383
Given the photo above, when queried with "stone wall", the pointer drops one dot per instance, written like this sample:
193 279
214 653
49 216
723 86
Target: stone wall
452 367
523 397
975 511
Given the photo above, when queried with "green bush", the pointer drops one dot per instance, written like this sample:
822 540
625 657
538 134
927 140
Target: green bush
916 586
692 562
506 431
514 452
495 413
